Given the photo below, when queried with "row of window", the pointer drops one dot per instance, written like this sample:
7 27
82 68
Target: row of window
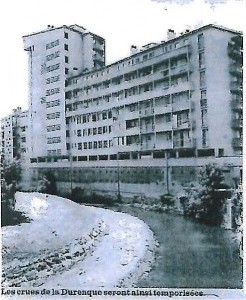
92 145
93 117
54 152
92 131
52 68
52 44
53 127
54 140
51 92
54 115
52 56
53 103
52 79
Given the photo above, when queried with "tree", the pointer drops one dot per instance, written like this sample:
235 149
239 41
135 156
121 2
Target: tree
47 184
10 178
212 195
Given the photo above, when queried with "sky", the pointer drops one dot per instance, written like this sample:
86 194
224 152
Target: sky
121 22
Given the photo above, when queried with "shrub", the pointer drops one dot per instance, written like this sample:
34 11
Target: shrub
212 195
167 200
47 184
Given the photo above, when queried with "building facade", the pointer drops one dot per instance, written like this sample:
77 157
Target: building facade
147 121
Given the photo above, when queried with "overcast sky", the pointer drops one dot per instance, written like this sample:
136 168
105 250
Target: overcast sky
121 22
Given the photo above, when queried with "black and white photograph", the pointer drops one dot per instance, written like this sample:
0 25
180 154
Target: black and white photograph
122 149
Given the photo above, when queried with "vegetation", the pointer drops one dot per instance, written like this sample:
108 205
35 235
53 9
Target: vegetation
10 178
207 203
81 196
47 184
167 200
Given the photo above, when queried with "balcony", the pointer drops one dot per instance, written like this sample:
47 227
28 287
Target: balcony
161 145
186 124
181 105
237 142
164 109
237 103
236 86
146 112
178 70
133 131
235 52
163 127
237 123
147 146
184 86
235 69
183 143
147 129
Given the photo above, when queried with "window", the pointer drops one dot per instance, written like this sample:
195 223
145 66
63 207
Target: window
105 129
95 145
204 116
90 145
66 59
203 94
100 144
110 114
104 115
78 132
79 146
85 145
200 40
221 152
201 60
65 35
202 78
66 47
66 71
94 117
204 137
105 144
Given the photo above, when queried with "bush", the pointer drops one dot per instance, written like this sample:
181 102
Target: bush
81 196
47 184
212 195
10 178
167 200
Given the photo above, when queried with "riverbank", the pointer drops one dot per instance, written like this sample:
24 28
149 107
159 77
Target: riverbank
72 245
191 254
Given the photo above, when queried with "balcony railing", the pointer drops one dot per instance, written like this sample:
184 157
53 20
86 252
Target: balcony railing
237 142
183 143
237 103
237 123
236 86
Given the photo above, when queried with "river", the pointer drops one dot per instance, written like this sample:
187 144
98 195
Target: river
190 254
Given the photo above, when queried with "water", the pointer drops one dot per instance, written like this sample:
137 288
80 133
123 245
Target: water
190 254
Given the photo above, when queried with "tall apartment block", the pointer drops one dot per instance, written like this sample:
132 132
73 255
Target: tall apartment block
151 119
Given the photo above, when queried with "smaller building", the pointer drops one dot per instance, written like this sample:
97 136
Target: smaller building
14 136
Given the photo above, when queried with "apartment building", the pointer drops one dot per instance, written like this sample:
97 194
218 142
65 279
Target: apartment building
146 121
54 55
14 136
